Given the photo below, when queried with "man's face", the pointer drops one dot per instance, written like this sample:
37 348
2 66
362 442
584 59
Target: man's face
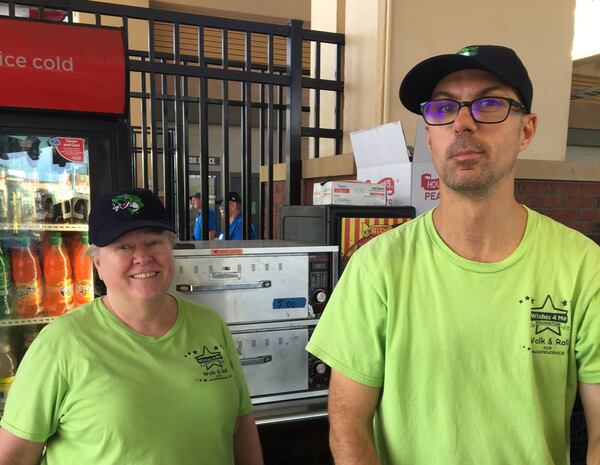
196 203
137 266
472 157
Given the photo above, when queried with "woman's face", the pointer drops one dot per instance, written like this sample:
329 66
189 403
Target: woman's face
137 266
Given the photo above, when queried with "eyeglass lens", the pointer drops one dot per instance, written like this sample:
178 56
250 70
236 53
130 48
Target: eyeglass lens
483 110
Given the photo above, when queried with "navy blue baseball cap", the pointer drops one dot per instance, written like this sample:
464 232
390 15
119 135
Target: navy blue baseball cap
233 196
418 84
113 215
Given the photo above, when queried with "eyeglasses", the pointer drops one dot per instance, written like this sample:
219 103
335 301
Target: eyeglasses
487 110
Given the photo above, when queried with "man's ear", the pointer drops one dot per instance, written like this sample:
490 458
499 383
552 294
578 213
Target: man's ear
528 129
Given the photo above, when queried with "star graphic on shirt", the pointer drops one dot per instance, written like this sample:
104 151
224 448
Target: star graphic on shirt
210 359
548 317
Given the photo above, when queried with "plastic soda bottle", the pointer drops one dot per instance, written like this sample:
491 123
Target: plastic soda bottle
6 309
27 276
58 297
8 368
82 269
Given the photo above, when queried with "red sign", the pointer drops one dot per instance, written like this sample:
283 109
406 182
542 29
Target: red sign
61 67
428 183
70 148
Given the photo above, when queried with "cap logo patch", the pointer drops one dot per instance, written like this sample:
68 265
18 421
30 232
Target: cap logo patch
131 203
468 51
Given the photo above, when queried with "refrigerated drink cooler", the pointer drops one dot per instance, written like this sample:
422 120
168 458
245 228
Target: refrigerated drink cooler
51 167
271 294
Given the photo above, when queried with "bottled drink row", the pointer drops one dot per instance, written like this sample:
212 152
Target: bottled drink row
45 277
12 348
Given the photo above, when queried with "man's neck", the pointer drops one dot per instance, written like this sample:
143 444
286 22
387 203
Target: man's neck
484 229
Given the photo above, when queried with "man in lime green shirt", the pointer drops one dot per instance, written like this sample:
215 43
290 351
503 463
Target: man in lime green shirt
462 337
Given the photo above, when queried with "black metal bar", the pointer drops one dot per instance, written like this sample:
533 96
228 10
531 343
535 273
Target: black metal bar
323 36
323 84
225 125
317 97
185 211
261 149
144 134
271 126
192 60
203 72
212 101
180 166
324 133
203 124
294 115
247 154
153 109
168 144
280 116
11 9
338 98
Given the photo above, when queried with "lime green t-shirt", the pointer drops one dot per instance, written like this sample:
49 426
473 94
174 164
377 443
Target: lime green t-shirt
478 362
101 393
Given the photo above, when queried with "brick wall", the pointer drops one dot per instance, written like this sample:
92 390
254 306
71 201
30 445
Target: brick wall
574 204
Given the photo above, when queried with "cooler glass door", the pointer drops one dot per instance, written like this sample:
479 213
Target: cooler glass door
44 271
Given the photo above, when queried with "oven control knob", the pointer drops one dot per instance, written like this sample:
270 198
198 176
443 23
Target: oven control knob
320 296
320 368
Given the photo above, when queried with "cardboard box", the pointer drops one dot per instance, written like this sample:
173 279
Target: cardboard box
425 182
382 157
349 193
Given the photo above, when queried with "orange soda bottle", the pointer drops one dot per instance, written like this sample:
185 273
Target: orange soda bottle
27 277
58 298
82 270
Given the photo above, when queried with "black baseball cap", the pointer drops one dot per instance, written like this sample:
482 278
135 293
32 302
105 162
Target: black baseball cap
233 196
196 195
419 83
113 215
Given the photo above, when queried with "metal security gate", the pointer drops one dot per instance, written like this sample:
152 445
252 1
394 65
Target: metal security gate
219 98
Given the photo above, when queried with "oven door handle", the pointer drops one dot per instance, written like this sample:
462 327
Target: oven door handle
260 360
192 288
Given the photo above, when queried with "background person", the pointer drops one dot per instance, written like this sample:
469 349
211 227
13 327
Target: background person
213 225
137 376
235 218
461 337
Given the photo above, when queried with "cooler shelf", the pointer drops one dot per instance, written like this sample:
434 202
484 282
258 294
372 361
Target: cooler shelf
27 321
44 227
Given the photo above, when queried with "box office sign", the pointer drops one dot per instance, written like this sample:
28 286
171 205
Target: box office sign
57 66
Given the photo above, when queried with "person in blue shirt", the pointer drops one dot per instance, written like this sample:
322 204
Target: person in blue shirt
213 228
235 218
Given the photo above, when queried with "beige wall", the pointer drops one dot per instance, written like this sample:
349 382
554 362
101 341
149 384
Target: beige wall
406 32
287 9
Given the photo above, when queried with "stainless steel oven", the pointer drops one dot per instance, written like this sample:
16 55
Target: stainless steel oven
271 294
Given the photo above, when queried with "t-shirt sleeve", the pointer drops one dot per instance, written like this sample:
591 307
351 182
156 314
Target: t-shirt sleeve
350 336
34 401
238 373
587 344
